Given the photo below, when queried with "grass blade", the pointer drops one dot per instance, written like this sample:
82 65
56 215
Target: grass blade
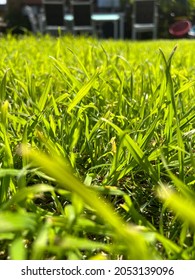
60 170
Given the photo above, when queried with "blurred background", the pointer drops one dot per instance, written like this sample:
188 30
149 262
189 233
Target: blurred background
15 20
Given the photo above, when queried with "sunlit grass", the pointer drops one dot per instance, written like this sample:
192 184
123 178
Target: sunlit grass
97 149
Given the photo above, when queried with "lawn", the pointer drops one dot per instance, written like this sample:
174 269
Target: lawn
97 149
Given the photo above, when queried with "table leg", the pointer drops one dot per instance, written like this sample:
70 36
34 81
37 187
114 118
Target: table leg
121 27
115 29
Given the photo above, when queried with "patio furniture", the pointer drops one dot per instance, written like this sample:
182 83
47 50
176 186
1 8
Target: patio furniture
82 16
54 11
144 17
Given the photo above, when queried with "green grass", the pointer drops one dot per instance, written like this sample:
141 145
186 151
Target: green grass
96 149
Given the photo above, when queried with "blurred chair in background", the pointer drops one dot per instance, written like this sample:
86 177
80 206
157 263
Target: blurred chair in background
54 12
144 17
82 17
